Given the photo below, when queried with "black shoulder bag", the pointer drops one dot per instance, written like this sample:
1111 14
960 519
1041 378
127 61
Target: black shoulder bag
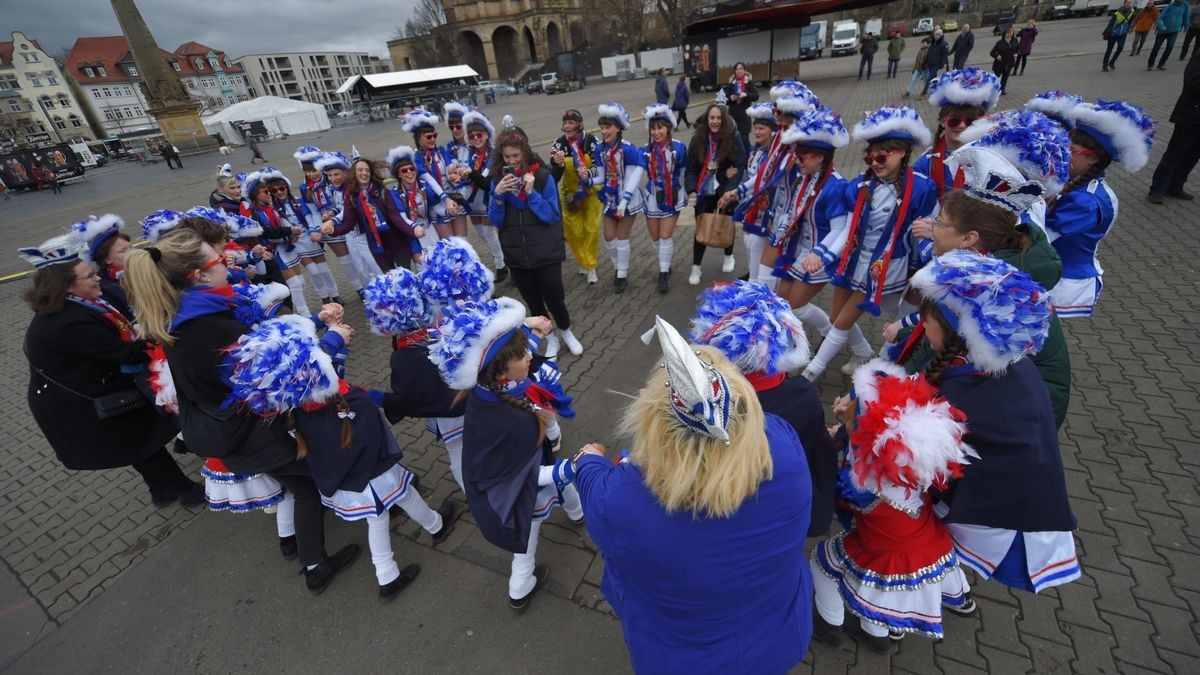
106 405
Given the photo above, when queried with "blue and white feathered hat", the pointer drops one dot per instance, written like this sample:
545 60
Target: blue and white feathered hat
615 112
794 89
1055 104
752 326
699 394
796 106
279 365
207 213
470 337
1124 130
240 177
59 250
250 183
659 111
307 154
453 272
455 110
225 169
966 87
821 128
239 226
270 173
95 231
155 225
475 118
418 119
764 112
268 297
893 122
394 303
400 153
331 160
1014 158
999 311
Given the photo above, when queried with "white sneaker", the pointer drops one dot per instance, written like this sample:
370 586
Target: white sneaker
854 363
694 277
552 346
572 342
727 264
591 276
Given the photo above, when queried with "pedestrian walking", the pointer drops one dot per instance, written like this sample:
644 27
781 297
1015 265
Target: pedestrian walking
895 47
1192 38
1116 32
963 44
255 151
1174 17
937 58
683 96
1025 38
1183 150
1003 54
1143 22
870 45
662 90
919 65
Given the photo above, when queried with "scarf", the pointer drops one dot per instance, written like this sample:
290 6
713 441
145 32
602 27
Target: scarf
523 196
111 314
431 164
197 301
739 85
708 165
575 149
375 224
417 337
661 169
317 192
545 398
408 201
937 167
613 168
810 199
767 175
112 272
479 164
881 257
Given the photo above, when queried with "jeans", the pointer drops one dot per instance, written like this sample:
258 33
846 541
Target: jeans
893 67
1193 34
929 74
913 82
960 61
867 61
542 288
1116 45
1159 39
1139 40
1178 160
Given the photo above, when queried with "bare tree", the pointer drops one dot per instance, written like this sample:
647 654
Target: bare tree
427 15
674 14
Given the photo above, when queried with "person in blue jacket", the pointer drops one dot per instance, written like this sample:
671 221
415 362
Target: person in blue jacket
702 530
617 169
1175 17
666 160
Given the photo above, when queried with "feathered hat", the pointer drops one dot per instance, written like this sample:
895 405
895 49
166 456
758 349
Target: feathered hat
225 169
207 213
793 89
508 122
1124 130
58 250
763 112
905 435
307 154
965 87
615 112
469 338
659 111
1055 104
417 120
453 110
270 173
821 128
155 225
398 154
475 118
95 231
453 272
999 311
752 326
893 122
331 160
1014 158
241 227
250 183
268 299
280 365
699 394
394 303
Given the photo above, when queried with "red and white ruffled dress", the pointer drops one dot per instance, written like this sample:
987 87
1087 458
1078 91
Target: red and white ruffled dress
238 493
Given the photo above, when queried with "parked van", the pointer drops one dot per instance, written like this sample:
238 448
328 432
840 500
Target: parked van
812 40
845 38
874 27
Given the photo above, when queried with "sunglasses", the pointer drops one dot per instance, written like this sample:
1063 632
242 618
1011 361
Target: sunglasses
455 127
956 122
281 190
92 275
407 169
477 135
879 158
206 266
431 134
1080 150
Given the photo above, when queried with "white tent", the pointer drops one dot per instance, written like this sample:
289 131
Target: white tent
278 115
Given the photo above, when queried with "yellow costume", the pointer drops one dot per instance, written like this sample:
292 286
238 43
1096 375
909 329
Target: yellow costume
581 227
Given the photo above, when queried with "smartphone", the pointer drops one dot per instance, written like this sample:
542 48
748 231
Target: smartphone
508 171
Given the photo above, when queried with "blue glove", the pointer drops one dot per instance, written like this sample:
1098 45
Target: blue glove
564 473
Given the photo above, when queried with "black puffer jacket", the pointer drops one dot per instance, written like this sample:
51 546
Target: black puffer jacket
530 228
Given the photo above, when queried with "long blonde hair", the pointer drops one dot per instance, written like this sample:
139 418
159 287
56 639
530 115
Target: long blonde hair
154 277
688 471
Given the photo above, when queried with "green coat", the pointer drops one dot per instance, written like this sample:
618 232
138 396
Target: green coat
895 46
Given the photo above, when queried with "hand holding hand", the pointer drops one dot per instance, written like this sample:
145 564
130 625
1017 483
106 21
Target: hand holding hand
418 232
811 263
331 313
315 237
891 331
326 227
841 406
540 325
591 449
345 331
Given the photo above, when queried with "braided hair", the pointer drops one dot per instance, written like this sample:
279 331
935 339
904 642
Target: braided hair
953 345
346 438
1103 159
490 376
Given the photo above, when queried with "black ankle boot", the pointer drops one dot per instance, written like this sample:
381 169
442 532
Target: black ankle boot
318 578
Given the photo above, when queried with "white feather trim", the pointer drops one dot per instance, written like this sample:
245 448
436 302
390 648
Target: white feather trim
616 112
866 378
901 121
932 435
659 111
509 315
474 117
795 105
400 153
1121 134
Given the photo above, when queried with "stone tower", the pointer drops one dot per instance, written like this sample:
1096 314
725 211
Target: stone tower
167 101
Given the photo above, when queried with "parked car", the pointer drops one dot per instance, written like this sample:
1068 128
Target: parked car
1001 26
1059 12
923 26
896 26
949 25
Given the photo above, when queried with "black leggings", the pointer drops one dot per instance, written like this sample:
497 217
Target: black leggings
163 476
310 513
681 117
542 288
1020 63
704 205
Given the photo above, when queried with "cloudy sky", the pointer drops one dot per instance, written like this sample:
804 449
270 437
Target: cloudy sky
235 27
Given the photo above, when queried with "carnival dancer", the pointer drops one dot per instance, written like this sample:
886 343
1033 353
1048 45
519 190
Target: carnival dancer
753 195
961 97
473 174
280 369
617 168
716 163
814 216
370 211
281 235
433 168
757 331
308 251
512 482
896 569
334 168
871 261
666 160
571 159
105 245
412 198
228 194
1085 211
318 192
457 151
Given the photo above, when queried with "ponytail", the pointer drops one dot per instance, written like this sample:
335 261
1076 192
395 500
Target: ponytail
154 277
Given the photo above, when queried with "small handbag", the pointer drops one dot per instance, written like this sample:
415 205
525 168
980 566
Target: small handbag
715 229
106 405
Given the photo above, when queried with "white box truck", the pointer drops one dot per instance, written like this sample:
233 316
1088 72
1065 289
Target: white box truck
845 38
873 26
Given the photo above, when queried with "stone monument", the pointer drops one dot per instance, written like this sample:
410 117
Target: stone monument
166 99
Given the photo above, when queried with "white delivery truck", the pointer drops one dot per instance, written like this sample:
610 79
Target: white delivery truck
873 26
812 40
845 38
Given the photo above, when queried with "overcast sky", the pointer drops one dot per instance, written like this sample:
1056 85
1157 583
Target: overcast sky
235 27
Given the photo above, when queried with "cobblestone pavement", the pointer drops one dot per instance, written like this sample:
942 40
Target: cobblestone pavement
70 536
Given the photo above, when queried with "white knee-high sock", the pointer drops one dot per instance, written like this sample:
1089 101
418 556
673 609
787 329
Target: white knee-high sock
828 599
380 542
754 250
622 258
814 316
858 342
285 517
353 275
521 581
666 251
572 504
492 238
611 245
834 341
553 431
416 508
330 283
765 276
318 281
299 303
454 450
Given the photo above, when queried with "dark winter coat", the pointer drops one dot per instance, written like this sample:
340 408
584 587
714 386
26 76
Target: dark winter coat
695 161
737 109
938 55
963 44
1187 108
1003 55
662 89
372 450
417 388
683 96
797 402
1025 38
